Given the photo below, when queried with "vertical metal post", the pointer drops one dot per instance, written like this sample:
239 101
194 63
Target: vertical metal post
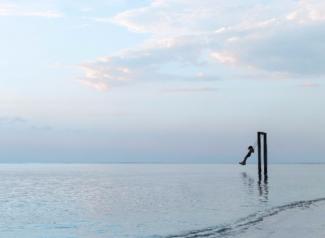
259 154
265 154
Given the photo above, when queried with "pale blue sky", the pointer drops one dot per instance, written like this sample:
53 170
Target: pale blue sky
161 80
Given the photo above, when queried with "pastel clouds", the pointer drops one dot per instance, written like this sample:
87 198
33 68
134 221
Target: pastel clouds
100 76
310 85
283 38
308 11
224 57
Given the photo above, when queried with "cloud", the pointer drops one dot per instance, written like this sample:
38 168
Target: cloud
24 11
297 50
42 128
308 11
22 122
12 120
224 57
187 17
100 75
191 90
310 85
218 39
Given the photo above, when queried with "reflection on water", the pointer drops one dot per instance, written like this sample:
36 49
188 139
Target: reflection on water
263 189
108 201
262 186
249 182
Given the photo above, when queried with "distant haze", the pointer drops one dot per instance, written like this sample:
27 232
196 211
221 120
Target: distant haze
161 81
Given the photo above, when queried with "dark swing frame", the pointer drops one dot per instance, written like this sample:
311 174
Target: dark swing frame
262 137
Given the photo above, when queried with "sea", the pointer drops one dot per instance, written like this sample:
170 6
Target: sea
161 201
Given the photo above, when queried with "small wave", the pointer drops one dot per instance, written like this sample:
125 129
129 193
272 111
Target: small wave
245 223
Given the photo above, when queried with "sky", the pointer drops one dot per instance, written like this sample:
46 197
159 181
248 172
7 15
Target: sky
161 81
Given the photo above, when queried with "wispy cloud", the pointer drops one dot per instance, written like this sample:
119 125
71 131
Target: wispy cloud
22 122
23 11
191 90
12 120
308 11
100 76
310 85
224 57
219 39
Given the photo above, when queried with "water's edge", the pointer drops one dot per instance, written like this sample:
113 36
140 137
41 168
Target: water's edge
244 223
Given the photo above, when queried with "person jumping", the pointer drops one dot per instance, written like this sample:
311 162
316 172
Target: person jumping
250 152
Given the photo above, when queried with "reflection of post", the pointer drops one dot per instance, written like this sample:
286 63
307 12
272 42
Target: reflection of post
263 189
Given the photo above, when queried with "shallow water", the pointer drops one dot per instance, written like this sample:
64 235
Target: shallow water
70 201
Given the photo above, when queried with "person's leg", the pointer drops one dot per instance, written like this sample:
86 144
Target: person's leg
244 160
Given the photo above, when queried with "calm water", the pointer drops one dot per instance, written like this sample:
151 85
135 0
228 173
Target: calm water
90 201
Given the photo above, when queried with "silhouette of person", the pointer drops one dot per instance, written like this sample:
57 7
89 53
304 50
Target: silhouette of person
250 152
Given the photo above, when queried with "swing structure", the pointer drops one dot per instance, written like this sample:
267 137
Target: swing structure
262 153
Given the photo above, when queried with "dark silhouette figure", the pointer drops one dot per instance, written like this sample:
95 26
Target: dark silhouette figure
250 152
